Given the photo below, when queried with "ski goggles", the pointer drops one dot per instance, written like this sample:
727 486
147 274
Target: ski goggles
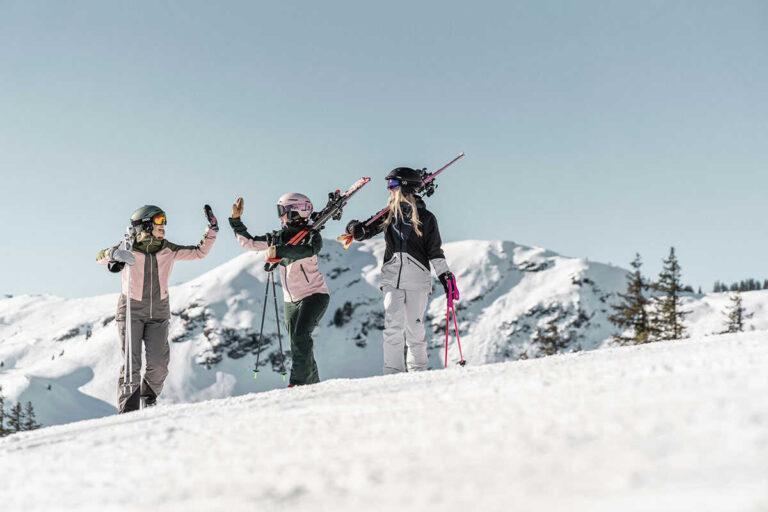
285 209
159 220
393 183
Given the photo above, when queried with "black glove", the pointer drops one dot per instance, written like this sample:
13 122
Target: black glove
212 222
356 229
448 277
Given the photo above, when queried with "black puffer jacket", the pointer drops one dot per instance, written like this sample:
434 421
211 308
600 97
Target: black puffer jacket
401 239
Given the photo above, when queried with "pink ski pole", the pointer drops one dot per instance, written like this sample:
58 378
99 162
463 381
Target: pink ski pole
453 294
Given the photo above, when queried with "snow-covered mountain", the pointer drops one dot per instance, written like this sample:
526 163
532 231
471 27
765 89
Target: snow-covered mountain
673 427
64 354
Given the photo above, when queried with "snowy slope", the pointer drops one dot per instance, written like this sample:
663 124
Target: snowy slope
676 426
64 355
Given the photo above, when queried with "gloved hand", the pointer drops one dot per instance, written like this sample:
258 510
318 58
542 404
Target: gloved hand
448 277
237 208
122 256
356 229
273 237
213 223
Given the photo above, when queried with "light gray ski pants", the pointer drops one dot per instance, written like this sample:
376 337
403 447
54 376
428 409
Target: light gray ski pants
153 336
404 326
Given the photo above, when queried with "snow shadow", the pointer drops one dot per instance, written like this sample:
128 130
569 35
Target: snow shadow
60 400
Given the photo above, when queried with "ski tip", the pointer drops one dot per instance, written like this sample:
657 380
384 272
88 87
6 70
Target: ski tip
346 240
460 155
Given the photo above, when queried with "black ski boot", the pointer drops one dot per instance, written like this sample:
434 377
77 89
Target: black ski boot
133 403
148 397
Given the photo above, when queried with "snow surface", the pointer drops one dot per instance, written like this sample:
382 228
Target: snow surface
672 426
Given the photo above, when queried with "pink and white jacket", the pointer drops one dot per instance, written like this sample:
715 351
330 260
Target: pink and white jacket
151 273
299 271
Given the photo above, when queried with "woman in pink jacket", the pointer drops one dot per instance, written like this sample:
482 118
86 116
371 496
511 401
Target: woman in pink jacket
150 262
305 293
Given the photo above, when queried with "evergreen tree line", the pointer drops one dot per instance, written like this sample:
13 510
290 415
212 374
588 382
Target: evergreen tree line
19 419
651 310
746 285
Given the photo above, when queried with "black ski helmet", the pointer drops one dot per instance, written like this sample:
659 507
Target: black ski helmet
142 218
410 179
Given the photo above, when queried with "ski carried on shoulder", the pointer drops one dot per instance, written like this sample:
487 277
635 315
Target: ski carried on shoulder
337 200
427 188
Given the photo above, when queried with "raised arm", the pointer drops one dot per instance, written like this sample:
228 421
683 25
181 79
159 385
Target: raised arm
244 238
194 252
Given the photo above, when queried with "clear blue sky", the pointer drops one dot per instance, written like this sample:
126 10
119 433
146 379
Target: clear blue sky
594 129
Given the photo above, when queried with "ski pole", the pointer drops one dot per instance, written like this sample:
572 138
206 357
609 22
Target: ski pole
450 309
261 330
279 335
128 382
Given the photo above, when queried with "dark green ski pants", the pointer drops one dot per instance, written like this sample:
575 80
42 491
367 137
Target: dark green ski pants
301 318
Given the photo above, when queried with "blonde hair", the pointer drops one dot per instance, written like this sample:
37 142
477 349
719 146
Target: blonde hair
396 211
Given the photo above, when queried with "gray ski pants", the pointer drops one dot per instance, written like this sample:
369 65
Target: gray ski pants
404 327
153 335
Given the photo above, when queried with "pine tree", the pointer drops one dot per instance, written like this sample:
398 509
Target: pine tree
547 341
667 320
16 419
3 430
735 315
29 418
631 312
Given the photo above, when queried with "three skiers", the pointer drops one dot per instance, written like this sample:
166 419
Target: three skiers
412 244
305 293
149 262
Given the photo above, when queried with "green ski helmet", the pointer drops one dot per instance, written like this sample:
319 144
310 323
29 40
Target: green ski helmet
146 217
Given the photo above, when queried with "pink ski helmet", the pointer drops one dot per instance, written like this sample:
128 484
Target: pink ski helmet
294 206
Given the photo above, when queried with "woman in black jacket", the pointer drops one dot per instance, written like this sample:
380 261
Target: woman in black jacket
412 245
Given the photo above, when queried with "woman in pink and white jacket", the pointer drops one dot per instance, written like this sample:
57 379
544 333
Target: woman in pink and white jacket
149 262
305 292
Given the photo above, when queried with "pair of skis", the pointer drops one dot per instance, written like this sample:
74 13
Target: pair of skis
332 211
427 188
